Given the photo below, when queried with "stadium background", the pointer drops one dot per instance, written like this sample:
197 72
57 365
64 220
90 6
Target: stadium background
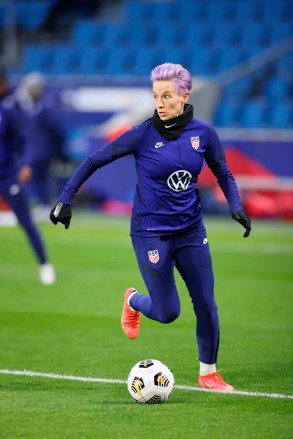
97 56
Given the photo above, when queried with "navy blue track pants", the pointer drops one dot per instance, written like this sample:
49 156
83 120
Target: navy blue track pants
38 187
17 200
189 252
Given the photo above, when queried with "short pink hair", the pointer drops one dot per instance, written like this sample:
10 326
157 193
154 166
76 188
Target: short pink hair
173 72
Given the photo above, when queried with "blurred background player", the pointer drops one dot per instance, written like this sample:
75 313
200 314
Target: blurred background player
44 138
15 172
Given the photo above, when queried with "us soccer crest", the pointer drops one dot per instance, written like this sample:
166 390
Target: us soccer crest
154 256
195 142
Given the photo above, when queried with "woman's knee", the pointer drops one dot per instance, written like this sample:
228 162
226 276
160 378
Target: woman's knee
168 317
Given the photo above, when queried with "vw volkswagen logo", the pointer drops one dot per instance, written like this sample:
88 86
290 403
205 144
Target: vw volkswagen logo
179 180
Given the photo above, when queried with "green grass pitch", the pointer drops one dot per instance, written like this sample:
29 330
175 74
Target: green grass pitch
73 328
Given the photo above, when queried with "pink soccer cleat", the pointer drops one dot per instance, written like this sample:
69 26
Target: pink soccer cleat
130 319
214 381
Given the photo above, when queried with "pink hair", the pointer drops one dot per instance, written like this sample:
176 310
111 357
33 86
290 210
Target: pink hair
173 72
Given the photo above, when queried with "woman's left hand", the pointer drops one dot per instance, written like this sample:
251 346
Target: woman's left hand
243 219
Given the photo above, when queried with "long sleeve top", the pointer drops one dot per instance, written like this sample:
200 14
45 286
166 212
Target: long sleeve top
166 197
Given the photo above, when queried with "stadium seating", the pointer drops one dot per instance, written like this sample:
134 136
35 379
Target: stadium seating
88 34
207 37
37 57
65 59
31 14
254 114
238 91
228 114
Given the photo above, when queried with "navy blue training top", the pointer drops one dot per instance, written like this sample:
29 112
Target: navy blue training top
166 197
11 145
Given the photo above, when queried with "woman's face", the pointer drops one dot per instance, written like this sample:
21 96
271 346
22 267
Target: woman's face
168 102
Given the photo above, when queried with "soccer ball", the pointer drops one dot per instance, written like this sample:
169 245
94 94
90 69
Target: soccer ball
150 381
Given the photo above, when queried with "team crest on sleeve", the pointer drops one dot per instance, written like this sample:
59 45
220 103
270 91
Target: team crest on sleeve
195 142
154 256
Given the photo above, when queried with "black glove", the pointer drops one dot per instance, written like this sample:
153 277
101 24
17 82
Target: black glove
61 213
243 219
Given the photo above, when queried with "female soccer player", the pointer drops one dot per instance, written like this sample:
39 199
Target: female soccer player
167 227
12 179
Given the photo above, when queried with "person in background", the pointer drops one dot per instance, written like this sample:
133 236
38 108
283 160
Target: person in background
15 172
167 226
40 124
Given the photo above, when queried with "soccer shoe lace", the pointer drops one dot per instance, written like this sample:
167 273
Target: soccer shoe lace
214 381
130 320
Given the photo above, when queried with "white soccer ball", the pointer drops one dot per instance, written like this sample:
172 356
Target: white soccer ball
150 381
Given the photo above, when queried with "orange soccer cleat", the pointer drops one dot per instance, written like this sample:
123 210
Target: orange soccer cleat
130 319
214 381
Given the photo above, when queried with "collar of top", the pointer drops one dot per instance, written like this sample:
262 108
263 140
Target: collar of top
171 128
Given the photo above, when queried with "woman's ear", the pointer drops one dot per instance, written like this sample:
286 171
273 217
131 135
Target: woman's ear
186 97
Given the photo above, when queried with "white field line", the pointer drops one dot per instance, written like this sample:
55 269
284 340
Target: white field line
114 381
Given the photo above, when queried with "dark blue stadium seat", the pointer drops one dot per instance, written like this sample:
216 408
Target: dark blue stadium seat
276 89
95 62
239 90
281 116
175 36
146 36
123 62
204 62
220 10
280 31
137 13
284 66
88 33
254 114
201 33
231 57
147 60
21 13
119 35
183 57
37 57
226 34
31 14
227 115
192 12
255 32
37 14
164 12
275 10
254 47
249 9
66 60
